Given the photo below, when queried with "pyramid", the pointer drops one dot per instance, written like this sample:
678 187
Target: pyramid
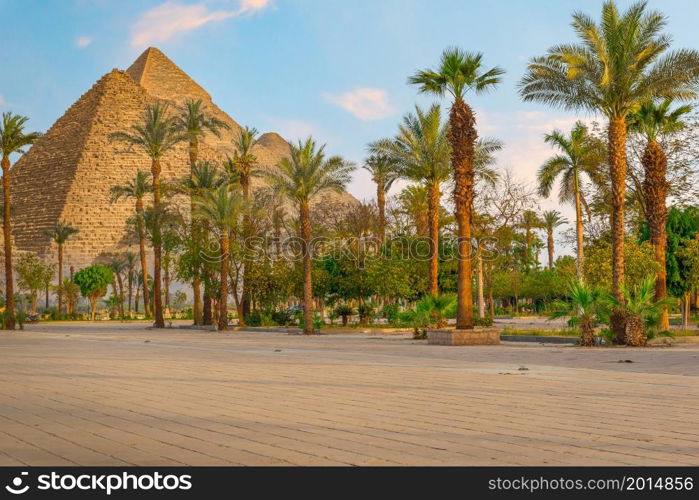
68 173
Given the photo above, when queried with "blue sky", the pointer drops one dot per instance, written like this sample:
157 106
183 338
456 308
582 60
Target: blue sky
334 69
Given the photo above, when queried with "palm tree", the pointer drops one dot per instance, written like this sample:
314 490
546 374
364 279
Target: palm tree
195 121
118 265
530 221
157 134
580 153
246 167
421 153
384 173
413 202
642 311
130 259
617 66
586 307
137 189
458 73
221 207
552 219
60 235
653 121
301 177
12 141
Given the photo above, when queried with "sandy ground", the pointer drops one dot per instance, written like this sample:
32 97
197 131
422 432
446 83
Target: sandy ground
120 394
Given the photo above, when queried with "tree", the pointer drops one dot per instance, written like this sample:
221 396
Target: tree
586 306
246 167
301 177
458 73
222 208
530 221
642 312
130 260
118 265
93 282
195 121
413 201
651 121
13 139
32 275
580 153
552 219
421 152
616 66
60 234
137 189
157 134
384 173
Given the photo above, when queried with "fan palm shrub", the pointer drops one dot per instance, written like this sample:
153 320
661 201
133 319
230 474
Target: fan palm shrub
586 306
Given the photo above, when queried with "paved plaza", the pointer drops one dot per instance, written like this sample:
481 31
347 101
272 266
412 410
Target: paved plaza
121 394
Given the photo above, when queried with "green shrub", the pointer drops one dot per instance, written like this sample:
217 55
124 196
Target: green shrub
391 313
344 311
486 321
365 312
254 318
283 318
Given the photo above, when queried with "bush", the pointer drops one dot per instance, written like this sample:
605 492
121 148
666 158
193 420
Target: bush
366 313
344 311
487 321
391 313
254 318
282 318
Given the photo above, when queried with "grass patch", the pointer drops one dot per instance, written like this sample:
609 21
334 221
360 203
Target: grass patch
562 332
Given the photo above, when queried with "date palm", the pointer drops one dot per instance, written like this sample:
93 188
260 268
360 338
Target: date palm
458 73
195 121
586 307
246 167
130 259
13 140
653 121
615 67
118 266
156 134
421 151
300 178
384 173
137 189
552 219
222 207
579 153
413 202
60 234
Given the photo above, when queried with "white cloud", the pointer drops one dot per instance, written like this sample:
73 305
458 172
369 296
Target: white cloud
172 18
83 41
365 103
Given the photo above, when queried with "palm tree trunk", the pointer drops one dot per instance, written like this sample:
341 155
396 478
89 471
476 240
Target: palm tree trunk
549 243
433 209
157 249
223 297
142 253
9 317
580 264
617 165
462 136
245 185
120 282
481 298
491 301
59 289
307 283
130 290
655 187
196 281
381 203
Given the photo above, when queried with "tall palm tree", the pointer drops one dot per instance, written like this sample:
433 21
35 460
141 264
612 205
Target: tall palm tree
222 207
552 219
301 177
13 139
421 152
530 220
157 134
384 173
204 176
652 121
194 119
130 259
617 65
60 235
580 154
458 73
138 188
246 167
